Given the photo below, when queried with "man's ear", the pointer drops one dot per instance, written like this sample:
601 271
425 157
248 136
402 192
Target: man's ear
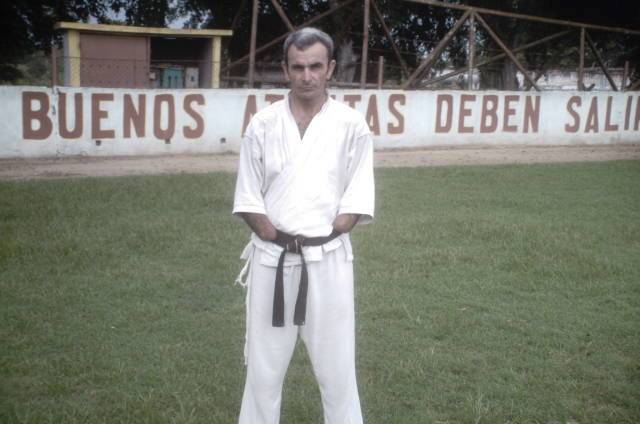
332 66
285 70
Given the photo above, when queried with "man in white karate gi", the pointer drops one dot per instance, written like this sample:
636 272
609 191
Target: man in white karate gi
305 179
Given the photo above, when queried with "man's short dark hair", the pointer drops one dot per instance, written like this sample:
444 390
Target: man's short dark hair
305 38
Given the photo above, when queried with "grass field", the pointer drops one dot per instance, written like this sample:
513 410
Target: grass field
506 294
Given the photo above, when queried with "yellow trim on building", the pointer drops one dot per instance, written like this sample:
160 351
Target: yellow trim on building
72 55
171 32
215 62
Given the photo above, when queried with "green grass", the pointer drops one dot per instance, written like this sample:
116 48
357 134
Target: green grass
506 294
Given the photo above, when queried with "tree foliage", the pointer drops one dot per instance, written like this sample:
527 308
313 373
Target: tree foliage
28 26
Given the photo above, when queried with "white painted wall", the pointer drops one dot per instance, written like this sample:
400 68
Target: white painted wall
399 119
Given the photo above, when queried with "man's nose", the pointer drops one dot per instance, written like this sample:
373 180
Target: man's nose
306 75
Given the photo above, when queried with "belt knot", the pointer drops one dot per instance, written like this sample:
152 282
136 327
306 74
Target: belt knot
293 244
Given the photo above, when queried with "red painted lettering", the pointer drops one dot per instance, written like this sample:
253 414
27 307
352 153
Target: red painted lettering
532 113
441 100
592 117
30 114
197 118
76 132
393 99
97 115
577 101
250 109
132 116
158 132
352 99
508 113
489 112
372 115
464 112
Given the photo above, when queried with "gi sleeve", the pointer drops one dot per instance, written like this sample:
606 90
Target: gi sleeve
248 195
358 197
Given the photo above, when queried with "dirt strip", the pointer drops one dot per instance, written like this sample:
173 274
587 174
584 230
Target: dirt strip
82 166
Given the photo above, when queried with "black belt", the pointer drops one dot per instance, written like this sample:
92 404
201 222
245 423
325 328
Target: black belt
294 244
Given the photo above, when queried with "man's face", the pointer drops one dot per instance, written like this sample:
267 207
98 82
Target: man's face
308 71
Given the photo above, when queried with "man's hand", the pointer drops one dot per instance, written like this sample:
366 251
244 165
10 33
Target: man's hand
345 222
260 225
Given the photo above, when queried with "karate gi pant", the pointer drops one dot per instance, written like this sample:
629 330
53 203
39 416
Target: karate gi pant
329 336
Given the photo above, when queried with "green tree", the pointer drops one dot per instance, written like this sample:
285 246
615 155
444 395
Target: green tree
149 13
28 26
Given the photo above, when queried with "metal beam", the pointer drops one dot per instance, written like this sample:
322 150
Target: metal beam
495 58
365 46
236 18
380 71
539 74
601 62
252 46
507 51
435 53
472 50
526 17
581 62
54 65
283 15
283 36
405 70
498 57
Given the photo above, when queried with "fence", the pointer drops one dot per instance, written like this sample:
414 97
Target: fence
588 63
590 59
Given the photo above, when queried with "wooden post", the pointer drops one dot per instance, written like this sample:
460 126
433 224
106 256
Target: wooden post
54 65
365 47
380 71
625 74
581 64
252 46
472 50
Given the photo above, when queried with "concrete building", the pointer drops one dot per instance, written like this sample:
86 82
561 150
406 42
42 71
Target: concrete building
119 56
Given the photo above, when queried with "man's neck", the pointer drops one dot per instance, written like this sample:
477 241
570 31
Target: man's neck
306 108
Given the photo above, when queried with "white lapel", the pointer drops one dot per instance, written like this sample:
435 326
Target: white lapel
300 155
